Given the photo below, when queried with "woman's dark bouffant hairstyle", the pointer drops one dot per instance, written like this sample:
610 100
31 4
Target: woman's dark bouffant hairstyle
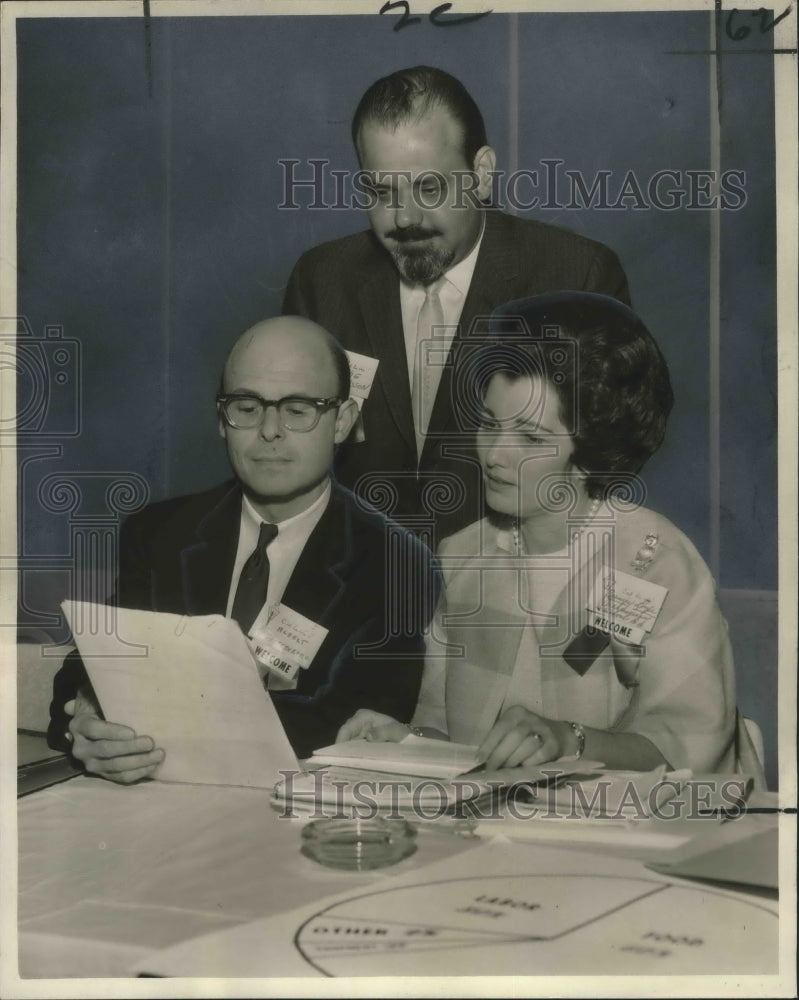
613 383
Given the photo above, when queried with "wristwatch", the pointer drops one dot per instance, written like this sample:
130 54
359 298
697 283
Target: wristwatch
579 733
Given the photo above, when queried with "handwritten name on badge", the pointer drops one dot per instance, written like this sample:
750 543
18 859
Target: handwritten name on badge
284 641
625 606
362 374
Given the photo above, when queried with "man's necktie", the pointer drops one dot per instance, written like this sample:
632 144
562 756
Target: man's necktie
251 591
425 378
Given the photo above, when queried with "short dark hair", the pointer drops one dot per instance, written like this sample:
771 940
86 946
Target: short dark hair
409 94
611 378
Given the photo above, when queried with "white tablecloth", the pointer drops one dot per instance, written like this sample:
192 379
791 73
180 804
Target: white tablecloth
108 874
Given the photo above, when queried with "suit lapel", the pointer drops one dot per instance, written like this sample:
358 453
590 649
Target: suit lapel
495 271
207 565
317 584
492 284
379 300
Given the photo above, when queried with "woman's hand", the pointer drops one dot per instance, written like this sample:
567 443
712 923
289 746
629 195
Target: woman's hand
373 726
522 737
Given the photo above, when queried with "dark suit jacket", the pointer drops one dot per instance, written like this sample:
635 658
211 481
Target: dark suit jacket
351 287
372 584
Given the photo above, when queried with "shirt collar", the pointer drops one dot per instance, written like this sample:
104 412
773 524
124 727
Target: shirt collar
461 274
294 523
505 541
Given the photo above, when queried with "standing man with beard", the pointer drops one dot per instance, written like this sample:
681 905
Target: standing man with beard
408 292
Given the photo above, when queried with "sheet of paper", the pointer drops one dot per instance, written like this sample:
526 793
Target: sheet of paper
742 851
633 794
551 771
501 909
192 685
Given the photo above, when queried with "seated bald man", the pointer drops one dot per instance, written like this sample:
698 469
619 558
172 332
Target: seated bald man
283 408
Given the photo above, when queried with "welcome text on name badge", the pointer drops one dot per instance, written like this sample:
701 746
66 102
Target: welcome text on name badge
624 606
284 641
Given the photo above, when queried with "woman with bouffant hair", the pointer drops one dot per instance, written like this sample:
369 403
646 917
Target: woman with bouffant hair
576 620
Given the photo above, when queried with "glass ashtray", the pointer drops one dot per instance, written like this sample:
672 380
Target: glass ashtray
358 844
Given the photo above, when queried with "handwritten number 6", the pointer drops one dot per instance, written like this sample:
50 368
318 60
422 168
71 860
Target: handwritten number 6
738 34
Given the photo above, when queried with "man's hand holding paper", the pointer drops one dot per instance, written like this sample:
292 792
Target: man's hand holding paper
109 749
192 680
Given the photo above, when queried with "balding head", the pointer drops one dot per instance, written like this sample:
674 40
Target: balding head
284 342
277 368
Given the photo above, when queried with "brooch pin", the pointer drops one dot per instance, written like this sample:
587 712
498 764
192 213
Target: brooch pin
645 555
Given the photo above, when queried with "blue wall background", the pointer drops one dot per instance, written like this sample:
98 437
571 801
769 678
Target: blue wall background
149 230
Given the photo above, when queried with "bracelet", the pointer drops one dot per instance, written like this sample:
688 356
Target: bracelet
579 732
414 729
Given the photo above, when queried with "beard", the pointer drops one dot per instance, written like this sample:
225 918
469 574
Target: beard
418 261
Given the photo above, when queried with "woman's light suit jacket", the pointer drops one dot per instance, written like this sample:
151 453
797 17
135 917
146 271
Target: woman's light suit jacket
493 641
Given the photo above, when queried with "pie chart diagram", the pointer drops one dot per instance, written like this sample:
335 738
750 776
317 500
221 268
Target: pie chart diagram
529 925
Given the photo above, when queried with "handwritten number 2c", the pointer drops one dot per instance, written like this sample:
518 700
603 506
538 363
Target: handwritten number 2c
406 18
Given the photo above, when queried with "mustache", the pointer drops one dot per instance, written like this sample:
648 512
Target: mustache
412 234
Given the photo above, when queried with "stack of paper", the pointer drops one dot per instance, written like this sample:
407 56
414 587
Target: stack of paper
415 755
336 791
328 789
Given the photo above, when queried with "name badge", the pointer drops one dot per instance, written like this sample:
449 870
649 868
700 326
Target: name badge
362 375
284 641
624 606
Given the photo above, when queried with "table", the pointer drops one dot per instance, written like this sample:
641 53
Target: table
108 874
